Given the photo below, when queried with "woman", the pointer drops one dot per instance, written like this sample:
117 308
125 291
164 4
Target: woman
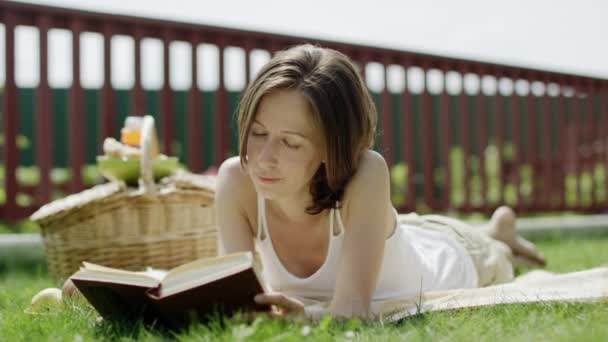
309 194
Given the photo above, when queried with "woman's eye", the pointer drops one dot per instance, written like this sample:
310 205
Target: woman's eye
255 134
292 146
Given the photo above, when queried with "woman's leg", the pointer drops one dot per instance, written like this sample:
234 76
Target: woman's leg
502 228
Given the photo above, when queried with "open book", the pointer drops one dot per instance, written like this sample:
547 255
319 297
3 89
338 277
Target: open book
190 292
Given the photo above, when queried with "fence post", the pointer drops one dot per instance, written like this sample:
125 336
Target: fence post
76 113
44 115
11 154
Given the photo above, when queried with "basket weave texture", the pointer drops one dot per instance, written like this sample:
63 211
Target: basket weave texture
120 227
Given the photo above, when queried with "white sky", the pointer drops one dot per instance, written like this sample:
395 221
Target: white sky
558 35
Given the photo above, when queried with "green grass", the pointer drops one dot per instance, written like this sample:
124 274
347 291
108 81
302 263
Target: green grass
23 274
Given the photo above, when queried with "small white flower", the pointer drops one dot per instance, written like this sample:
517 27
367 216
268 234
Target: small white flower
305 330
242 331
349 334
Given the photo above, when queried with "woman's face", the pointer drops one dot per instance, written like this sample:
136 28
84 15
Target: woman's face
284 148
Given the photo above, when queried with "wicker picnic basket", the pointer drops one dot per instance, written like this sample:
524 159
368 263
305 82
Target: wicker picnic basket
159 225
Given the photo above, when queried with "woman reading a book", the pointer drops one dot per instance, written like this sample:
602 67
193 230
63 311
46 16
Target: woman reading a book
311 196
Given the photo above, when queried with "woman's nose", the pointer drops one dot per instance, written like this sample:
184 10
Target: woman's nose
268 154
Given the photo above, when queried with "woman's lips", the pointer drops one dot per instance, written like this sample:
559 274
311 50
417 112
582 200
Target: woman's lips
268 180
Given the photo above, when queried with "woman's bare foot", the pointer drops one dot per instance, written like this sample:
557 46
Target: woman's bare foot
502 227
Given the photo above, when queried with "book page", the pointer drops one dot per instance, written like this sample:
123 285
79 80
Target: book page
148 278
155 273
99 268
209 263
204 271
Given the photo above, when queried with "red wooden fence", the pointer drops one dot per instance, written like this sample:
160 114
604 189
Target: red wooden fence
578 108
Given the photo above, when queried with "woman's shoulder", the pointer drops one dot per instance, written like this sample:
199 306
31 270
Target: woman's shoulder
235 195
372 159
371 167
231 169
233 182
371 177
367 195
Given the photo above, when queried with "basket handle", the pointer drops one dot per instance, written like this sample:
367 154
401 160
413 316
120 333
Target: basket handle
146 180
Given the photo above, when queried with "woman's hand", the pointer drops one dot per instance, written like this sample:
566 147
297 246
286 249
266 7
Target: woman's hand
281 304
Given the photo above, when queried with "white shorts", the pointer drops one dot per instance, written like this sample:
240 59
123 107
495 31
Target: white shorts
492 258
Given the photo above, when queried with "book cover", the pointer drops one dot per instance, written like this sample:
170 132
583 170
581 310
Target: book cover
192 292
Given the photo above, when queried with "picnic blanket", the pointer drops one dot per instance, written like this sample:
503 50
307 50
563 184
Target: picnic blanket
533 287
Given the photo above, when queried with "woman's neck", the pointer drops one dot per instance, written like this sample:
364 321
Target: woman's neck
292 209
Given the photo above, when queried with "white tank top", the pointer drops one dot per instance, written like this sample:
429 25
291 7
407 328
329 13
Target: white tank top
415 260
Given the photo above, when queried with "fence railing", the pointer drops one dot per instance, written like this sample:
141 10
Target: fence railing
458 134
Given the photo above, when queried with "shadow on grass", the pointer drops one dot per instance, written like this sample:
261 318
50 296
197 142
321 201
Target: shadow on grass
118 328
417 319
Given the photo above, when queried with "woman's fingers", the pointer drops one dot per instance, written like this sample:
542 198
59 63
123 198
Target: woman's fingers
274 299
278 311
280 300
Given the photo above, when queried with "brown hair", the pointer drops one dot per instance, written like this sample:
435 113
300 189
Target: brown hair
343 109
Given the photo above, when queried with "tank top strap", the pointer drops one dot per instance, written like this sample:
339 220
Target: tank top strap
338 220
331 223
261 218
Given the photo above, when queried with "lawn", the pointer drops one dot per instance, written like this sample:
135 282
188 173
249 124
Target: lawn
23 274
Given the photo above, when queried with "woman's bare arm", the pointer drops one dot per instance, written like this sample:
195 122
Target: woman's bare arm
235 233
369 216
